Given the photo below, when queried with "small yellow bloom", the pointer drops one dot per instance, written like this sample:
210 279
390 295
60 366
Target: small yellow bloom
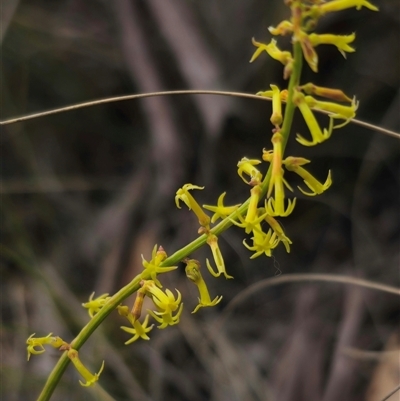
83 371
39 342
338 111
278 230
212 241
276 205
252 218
124 311
294 164
184 195
309 52
276 117
152 268
220 211
317 135
193 274
340 41
166 318
329 93
272 49
246 166
338 5
283 28
94 305
165 301
262 242
139 330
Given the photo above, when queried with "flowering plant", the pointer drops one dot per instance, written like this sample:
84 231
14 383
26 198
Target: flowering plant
267 175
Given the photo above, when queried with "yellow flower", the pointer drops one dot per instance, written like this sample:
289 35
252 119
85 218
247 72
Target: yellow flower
166 318
317 135
94 305
340 41
283 28
338 111
278 230
81 368
262 242
139 330
220 211
294 164
309 52
276 117
338 5
246 166
193 274
276 205
152 268
252 218
124 311
212 241
39 342
272 49
184 195
165 301
329 93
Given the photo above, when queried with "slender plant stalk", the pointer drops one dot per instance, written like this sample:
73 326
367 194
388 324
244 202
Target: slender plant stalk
175 258
92 103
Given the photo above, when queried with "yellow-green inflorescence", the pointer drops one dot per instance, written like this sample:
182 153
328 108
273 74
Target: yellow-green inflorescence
267 176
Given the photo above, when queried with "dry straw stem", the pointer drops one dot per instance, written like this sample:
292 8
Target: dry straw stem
173 93
293 278
391 393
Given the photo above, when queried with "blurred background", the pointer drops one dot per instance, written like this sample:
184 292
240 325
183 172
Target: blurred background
85 193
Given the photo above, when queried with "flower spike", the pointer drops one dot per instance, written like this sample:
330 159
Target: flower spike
81 368
193 274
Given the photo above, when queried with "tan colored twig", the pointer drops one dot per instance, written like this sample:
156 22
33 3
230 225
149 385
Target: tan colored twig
391 393
173 93
293 278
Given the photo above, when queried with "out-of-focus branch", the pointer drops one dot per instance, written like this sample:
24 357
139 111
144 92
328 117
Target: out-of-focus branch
141 66
196 63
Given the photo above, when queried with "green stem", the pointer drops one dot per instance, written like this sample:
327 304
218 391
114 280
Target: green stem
182 253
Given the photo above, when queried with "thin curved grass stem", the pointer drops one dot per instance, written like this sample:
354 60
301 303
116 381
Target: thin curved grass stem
173 93
306 277
391 393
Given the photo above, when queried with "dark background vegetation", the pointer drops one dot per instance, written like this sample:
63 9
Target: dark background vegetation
85 193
